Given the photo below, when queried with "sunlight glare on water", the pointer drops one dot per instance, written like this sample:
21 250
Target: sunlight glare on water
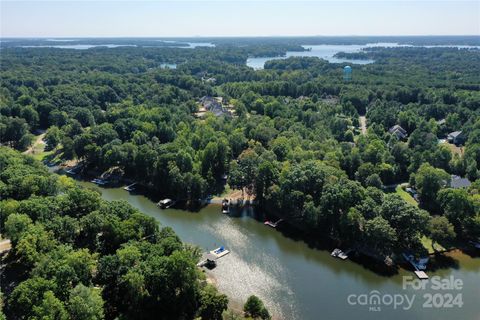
238 278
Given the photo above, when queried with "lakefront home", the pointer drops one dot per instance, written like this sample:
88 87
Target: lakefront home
456 137
458 182
398 131
213 105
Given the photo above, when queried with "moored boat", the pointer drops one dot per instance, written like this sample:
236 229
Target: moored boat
337 253
220 252
225 206
100 182
166 203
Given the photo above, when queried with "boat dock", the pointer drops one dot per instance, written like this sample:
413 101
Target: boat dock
71 171
272 224
419 265
130 187
209 259
421 275
475 244
337 253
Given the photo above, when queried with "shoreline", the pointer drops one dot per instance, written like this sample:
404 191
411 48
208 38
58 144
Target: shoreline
234 194
233 304
289 230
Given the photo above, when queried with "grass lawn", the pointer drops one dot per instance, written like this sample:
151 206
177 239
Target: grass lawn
405 196
453 148
226 191
42 155
427 243
38 151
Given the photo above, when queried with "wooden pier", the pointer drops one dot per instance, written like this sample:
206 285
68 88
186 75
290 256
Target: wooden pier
272 224
421 275
209 259
418 266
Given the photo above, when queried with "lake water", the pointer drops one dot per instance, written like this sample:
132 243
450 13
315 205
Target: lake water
299 282
191 45
323 51
80 46
327 52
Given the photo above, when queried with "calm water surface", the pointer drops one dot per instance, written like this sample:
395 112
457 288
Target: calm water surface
191 45
294 280
327 52
80 46
324 51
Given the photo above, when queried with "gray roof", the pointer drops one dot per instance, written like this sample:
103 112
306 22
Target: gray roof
396 128
455 134
458 182
398 131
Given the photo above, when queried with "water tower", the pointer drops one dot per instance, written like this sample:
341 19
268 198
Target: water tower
347 73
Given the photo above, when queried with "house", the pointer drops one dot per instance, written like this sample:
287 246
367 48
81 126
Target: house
210 102
398 131
456 137
441 122
211 80
213 105
457 182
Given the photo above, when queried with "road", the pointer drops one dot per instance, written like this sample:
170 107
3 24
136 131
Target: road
5 245
38 141
363 124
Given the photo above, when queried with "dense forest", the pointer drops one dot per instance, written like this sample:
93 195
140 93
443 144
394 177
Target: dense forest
292 141
76 256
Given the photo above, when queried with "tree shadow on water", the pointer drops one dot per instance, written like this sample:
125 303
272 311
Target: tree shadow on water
375 265
441 261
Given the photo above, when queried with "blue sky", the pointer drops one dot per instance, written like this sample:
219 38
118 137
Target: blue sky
69 18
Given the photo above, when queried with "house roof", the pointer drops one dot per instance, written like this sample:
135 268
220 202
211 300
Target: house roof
400 134
455 134
398 131
457 182
212 104
396 128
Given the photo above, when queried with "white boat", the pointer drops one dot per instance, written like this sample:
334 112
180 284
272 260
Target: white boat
337 253
220 252
100 182
225 206
166 203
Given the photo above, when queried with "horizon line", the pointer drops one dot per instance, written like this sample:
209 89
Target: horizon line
241 36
